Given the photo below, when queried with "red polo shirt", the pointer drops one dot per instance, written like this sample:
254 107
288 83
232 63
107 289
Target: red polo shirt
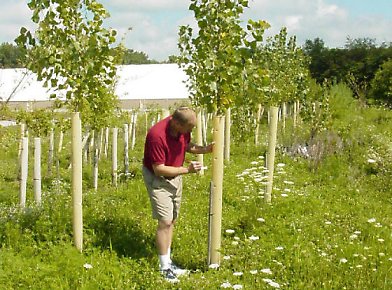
162 148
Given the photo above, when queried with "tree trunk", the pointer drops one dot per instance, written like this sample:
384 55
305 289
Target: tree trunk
22 135
284 113
204 126
260 112
106 146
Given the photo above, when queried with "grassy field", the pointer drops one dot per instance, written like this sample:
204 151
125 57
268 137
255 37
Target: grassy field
329 225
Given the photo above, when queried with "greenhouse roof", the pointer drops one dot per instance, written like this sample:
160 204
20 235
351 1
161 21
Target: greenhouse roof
135 82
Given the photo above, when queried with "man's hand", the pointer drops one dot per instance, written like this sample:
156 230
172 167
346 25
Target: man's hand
194 166
210 147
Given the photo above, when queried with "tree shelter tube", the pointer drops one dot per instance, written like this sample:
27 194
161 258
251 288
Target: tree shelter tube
215 214
273 128
77 181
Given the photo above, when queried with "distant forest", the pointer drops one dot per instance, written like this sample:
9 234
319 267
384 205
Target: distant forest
356 64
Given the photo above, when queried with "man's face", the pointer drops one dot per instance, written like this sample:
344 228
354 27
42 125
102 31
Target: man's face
185 128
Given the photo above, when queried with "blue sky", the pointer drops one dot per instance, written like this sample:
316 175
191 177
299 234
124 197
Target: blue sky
155 22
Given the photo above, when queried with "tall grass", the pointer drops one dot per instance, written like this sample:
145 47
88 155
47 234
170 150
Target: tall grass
329 225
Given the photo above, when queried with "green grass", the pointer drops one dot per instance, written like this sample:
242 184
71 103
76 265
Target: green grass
328 227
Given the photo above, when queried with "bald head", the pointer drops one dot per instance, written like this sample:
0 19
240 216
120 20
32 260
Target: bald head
184 116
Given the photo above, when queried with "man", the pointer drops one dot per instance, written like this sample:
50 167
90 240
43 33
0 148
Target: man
164 154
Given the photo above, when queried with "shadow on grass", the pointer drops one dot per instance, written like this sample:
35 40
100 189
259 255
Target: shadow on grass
125 237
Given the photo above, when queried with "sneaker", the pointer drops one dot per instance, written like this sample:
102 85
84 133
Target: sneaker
177 270
169 275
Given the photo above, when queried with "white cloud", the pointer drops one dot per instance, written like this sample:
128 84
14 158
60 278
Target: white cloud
155 22
13 15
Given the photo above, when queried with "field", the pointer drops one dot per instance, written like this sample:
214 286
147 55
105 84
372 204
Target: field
329 225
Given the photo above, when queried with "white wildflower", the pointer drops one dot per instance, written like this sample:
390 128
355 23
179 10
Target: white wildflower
253 238
234 243
271 283
261 220
254 162
226 258
371 160
266 271
280 248
88 266
253 272
284 195
357 232
381 254
380 240
226 285
238 274
288 182
281 165
230 231
328 223
372 220
343 261
236 238
237 286
213 266
277 262
353 237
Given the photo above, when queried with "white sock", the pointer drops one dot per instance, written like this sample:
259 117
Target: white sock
169 254
164 262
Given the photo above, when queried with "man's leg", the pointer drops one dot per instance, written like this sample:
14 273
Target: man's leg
164 236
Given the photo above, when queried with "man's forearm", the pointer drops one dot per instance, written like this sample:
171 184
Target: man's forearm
169 171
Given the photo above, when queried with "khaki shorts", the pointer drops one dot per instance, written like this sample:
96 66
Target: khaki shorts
165 195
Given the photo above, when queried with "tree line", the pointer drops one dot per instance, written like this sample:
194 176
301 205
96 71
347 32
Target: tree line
12 56
363 65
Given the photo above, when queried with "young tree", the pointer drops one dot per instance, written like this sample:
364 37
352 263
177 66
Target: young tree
71 52
215 61
381 85
286 69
